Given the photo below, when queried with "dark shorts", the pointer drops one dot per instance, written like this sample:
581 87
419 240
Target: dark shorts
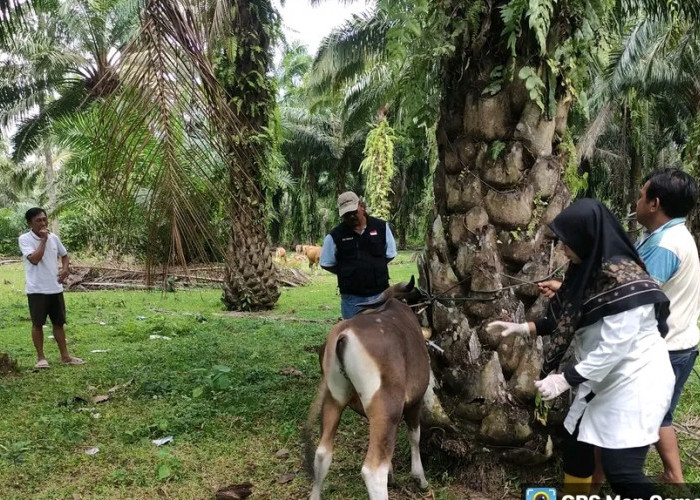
682 363
42 305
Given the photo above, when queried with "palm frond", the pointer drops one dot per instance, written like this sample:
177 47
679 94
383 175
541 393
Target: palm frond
588 140
365 97
31 130
662 9
170 127
12 16
347 49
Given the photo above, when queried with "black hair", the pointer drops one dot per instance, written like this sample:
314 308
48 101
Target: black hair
677 191
33 212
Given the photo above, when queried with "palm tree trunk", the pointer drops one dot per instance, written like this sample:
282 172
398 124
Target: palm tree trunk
49 171
250 280
251 277
497 185
50 175
275 224
635 173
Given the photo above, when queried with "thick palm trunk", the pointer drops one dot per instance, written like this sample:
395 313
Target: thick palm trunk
251 277
497 185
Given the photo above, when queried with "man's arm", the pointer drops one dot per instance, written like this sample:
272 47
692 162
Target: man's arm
65 268
661 263
38 254
327 260
65 260
390 244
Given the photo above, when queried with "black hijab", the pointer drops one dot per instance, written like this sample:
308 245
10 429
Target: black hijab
610 279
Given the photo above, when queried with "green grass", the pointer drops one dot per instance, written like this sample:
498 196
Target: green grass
215 387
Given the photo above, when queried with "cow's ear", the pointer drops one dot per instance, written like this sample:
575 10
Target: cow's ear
411 284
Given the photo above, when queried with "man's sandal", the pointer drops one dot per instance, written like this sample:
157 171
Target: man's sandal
42 363
73 361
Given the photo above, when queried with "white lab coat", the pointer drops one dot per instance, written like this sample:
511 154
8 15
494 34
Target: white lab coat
627 366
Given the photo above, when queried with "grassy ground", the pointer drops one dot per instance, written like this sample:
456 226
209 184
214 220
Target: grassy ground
216 387
219 387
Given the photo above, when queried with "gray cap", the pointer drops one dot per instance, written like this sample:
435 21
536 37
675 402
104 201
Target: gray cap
347 202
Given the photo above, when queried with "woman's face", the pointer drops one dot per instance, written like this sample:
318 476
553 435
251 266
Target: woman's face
571 254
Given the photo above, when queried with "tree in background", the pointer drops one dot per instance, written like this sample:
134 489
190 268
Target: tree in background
57 61
181 143
383 63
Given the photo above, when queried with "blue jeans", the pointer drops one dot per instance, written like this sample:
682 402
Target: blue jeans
682 363
349 304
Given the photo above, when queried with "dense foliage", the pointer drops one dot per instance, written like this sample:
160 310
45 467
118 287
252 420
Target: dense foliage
634 107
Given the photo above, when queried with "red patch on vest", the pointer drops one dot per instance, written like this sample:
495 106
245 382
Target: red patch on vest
373 232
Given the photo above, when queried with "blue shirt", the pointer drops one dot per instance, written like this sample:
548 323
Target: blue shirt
661 262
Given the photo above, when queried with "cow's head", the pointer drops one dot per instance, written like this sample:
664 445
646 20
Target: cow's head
401 291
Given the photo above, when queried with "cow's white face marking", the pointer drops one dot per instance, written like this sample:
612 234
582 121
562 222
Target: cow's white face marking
378 320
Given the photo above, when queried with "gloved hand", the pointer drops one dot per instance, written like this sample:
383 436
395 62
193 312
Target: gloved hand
552 385
505 328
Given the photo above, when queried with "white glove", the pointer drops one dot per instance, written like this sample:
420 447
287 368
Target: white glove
505 328
552 385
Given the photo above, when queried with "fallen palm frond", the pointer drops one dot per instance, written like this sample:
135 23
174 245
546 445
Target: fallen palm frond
170 278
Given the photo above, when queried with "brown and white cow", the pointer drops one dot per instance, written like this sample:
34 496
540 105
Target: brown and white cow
380 357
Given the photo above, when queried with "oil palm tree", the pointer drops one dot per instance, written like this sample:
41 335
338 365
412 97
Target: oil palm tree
383 63
642 103
510 74
186 136
58 61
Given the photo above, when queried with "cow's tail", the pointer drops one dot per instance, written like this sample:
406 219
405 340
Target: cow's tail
307 431
341 345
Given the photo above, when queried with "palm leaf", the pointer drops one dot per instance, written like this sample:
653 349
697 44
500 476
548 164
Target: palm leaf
32 130
348 49
171 128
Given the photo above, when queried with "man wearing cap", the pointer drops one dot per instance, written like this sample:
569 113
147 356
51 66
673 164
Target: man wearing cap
357 250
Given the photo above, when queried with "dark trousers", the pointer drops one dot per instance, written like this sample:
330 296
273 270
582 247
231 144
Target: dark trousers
623 468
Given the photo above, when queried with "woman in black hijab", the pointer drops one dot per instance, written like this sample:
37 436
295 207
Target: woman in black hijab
616 314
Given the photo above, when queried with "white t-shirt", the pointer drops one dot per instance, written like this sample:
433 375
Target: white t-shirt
42 277
671 258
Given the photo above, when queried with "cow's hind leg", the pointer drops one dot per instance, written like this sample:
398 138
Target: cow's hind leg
384 417
412 416
330 417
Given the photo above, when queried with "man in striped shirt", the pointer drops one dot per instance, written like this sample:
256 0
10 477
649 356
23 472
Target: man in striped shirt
671 257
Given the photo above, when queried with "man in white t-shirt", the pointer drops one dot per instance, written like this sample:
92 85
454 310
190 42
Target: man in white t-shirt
40 252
